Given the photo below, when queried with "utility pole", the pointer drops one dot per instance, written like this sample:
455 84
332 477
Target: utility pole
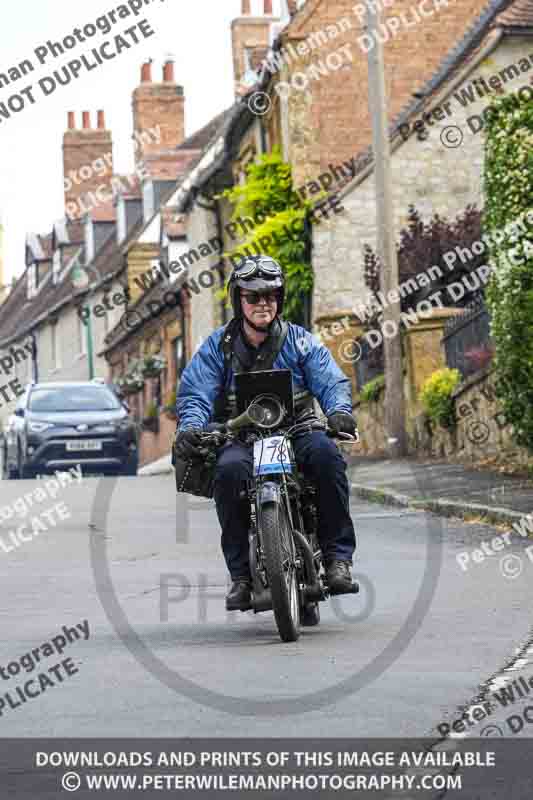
394 391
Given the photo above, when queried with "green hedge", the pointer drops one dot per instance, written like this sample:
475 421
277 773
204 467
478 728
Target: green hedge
508 224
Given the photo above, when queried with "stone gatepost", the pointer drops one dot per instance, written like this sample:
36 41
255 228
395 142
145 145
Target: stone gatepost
338 330
424 352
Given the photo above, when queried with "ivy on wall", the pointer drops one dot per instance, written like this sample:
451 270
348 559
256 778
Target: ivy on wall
508 187
279 215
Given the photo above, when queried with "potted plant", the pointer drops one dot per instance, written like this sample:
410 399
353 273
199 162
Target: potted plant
170 405
151 366
151 419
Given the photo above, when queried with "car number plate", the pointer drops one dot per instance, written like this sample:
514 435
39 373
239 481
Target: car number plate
273 454
84 444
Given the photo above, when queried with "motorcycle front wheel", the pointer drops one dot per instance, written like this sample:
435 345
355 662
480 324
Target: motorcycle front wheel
280 562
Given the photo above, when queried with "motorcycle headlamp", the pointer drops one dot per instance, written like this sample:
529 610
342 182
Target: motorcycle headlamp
266 411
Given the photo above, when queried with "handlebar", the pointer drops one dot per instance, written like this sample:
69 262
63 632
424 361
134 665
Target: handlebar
345 436
217 434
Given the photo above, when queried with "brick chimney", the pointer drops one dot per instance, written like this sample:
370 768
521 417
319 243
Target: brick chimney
250 37
87 161
158 112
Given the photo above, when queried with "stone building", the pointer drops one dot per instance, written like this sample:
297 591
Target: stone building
437 145
3 279
437 152
319 88
171 267
73 290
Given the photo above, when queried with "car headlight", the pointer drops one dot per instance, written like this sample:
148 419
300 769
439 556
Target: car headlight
39 427
123 424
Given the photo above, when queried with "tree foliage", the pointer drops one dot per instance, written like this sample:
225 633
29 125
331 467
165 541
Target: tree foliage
423 245
268 194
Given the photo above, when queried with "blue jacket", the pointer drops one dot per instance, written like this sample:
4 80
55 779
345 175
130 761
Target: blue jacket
312 366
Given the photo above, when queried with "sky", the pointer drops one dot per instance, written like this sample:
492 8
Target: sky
195 32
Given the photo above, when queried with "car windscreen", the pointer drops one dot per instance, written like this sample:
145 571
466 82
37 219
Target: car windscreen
73 398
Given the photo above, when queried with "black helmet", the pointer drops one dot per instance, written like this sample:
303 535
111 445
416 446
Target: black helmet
256 273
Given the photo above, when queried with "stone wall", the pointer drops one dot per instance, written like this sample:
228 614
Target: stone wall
481 431
205 313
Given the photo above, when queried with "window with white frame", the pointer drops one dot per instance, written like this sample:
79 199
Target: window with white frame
29 371
82 335
55 347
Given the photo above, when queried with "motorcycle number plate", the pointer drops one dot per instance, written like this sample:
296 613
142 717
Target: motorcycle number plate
273 455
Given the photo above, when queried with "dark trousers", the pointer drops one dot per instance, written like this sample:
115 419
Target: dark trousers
321 461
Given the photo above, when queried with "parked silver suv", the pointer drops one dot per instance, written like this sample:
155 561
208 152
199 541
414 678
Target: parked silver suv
60 425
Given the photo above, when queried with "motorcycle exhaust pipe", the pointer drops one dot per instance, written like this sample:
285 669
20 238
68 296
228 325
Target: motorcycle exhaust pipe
262 601
313 590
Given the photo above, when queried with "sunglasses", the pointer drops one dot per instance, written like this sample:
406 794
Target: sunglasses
253 298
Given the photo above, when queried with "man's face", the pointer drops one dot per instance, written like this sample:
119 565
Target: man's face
259 307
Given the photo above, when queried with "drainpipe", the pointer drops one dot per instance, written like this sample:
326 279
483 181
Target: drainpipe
35 366
220 267
90 349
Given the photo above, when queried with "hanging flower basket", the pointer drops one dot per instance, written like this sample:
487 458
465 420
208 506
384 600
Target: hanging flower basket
169 409
150 424
152 366
131 383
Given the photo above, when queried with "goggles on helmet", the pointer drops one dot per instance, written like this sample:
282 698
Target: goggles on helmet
266 267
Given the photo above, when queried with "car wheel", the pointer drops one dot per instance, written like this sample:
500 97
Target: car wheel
24 472
9 473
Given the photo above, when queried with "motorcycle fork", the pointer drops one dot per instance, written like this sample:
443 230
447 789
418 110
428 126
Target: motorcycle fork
257 570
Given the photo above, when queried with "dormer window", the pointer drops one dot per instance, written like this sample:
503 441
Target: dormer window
122 225
32 281
89 240
148 200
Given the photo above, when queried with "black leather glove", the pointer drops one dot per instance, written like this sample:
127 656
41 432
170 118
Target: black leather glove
186 444
342 422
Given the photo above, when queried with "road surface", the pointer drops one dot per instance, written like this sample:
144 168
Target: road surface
160 623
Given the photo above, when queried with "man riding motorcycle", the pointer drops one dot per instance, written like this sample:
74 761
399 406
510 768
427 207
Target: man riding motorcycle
207 394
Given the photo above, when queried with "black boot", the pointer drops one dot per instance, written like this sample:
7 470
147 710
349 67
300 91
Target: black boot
339 578
239 596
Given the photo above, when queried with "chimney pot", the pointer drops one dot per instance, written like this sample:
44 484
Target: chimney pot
101 120
246 10
71 120
146 72
168 72
86 120
268 8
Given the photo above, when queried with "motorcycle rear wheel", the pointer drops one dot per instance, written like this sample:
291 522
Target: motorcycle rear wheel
280 561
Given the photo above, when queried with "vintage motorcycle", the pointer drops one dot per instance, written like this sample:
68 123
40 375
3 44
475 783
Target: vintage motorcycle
285 556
